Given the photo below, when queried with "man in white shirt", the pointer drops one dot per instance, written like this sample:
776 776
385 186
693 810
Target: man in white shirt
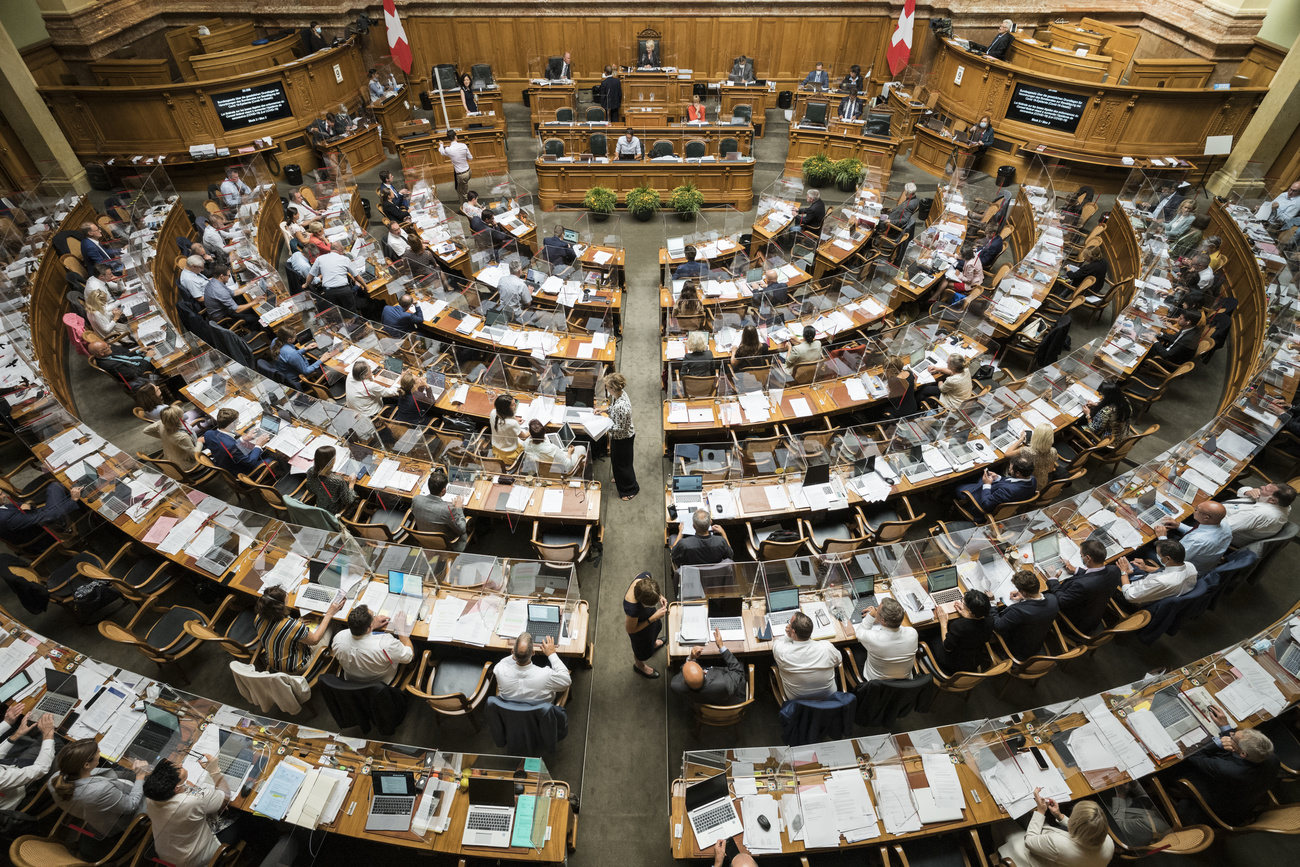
366 653
513 292
1284 210
14 779
1258 513
1170 577
460 156
233 189
807 668
891 646
216 235
336 273
102 279
178 814
397 240
628 147
519 680
191 277
363 394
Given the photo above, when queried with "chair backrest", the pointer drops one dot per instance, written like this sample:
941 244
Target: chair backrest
1124 446
744 112
554 147
564 114
310 516
726 714
770 550
728 145
73 263
883 702
661 148
429 539
74 247
598 145
700 386
815 113
595 112
1054 487
696 148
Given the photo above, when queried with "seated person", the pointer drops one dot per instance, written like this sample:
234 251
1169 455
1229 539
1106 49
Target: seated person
365 652
234 192
396 242
991 249
953 385
1180 347
742 70
485 224
363 394
1171 576
1093 265
648 56
961 645
20 523
433 514
219 300
1259 513
216 234
819 76
807 667
556 250
191 277
851 107
562 461
518 679
852 79
560 68
993 490
904 213
401 197
1084 596
688 302
389 208
104 801
92 249
1002 42
1205 544
403 316
707 546
891 646
132 368
1027 621
628 146
695 111
1233 775
471 208
178 445
698 361
179 812
288 643
512 292
329 490
102 312
718 684
773 289
231 454
1284 211
290 362
809 217
414 402
804 350
690 268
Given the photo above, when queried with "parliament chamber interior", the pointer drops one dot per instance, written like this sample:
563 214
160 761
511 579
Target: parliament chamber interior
949 497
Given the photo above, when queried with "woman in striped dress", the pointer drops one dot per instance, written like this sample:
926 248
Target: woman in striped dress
286 641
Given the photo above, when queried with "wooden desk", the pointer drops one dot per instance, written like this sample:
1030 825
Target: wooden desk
562 183
244 59
115 72
363 149
389 113
933 151
491 107
488 146
752 95
1034 56
877 154
667 88
544 99
577 137
906 111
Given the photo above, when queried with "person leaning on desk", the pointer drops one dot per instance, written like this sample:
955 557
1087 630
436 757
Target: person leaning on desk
20 523
368 654
286 641
518 679
850 106
1077 840
97 796
718 684
227 452
291 362
706 547
14 779
628 146
556 250
819 76
1233 775
363 394
180 815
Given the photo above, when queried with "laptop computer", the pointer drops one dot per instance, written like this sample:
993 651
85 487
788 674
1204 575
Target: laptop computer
324 583
781 606
711 812
1175 713
571 235
688 493
725 615
158 737
392 801
491 813
60 696
1047 553
235 756
543 622
1000 434
942 586
218 558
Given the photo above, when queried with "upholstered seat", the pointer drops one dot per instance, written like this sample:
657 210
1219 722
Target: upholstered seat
169 632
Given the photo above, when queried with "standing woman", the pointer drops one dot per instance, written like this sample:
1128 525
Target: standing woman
96 796
644 607
333 492
623 437
467 94
507 433
178 444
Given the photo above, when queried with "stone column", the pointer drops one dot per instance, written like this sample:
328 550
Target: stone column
32 121
1270 128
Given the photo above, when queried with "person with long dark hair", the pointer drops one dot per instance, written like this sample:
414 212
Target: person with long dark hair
902 387
962 638
104 802
414 405
333 492
287 641
622 447
506 431
1109 416
467 99
749 352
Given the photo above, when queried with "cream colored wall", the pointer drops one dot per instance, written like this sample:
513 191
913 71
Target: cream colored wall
1282 23
22 18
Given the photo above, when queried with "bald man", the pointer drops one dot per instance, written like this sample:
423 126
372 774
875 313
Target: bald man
717 684
741 856
1205 544
772 289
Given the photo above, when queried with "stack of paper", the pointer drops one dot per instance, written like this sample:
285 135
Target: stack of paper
894 797
853 814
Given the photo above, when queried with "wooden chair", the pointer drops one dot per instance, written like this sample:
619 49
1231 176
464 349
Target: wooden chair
449 687
73 263
758 454
164 641
1036 667
1187 840
391 528
221 473
33 850
559 546
697 386
1054 488
769 550
778 688
233 629
26 480
960 682
974 512
226 856
272 497
138 575
1104 299
1118 453
428 539
1126 624
1276 818
1142 391
1086 454
891 526
309 196
723 714
837 537
173 470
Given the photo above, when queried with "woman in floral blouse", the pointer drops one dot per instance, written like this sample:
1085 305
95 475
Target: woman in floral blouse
622 436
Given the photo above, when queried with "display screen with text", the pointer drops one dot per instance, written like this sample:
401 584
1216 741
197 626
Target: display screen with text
1043 107
252 105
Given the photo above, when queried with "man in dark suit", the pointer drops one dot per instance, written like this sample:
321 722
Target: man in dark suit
560 68
556 250
818 76
904 213
1176 349
1164 204
850 106
742 70
717 684
485 222
93 252
228 452
401 316
690 268
611 94
1025 624
21 523
811 216
1083 596
129 367
991 249
313 39
994 490
773 291
998 47
649 54
1232 776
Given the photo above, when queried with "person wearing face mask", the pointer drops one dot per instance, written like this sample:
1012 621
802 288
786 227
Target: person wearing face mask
313 39
981 135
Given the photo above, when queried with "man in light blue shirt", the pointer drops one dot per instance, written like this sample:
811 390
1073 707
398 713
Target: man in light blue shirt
1204 545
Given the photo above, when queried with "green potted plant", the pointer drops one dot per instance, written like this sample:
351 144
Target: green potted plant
642 202
600 202
817 170
686 200
848 173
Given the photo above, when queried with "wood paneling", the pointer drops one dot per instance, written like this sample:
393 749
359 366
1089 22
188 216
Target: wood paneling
131 73
245 58
1170 73
1260 65
723 183
184 42
269 238
577 138
165 268
167 119
1066 64
1244 282
46 307
487 146
1121 42
44 63
363 149
877 154
225 38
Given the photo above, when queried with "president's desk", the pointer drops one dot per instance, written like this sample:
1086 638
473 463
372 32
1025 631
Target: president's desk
565 182
577 136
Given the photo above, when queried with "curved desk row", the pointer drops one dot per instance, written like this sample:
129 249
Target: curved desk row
577 137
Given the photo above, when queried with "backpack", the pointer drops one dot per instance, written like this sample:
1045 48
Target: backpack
93 598
783 536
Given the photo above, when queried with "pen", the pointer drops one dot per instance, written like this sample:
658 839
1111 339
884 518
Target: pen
976 796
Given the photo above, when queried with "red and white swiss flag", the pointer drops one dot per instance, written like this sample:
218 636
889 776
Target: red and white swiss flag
900 46
401 49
